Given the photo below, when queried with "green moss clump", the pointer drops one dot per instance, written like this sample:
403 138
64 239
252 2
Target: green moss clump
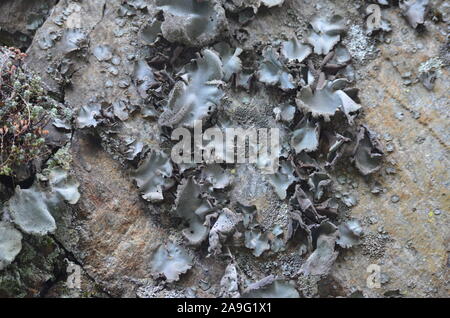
62 159
25 109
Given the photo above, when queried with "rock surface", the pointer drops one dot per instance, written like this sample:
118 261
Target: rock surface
112 232
20 20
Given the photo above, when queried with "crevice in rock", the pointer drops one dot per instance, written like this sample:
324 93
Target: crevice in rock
17 39
71 257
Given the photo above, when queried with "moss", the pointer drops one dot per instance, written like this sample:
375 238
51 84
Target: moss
62 158
11 285
25 110
40 261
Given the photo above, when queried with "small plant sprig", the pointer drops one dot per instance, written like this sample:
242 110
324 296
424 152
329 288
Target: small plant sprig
25 110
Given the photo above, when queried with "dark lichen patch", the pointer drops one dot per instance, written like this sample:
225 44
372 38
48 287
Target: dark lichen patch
323 257
368 154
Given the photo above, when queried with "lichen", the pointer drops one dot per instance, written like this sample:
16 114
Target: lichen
293 50
282 179
323 257
170 261
103 53
143 78
150 32
31 209
73 40
306 136
368 154
191 22
215 175
350 234
231 63
326 33
327 101
224 226
272 71
192 207
64 185
10 243
87 116
257 240
198 98
284 112
270 287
